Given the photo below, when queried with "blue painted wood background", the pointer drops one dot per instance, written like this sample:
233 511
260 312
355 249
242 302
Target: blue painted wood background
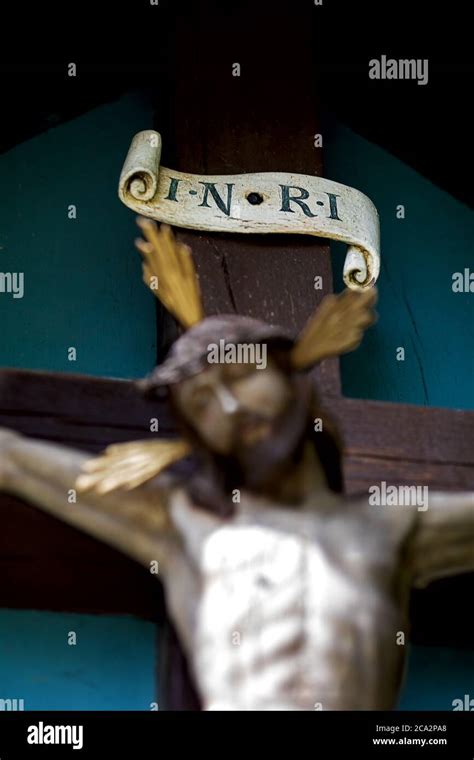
418 309
83 284
83 289
110 667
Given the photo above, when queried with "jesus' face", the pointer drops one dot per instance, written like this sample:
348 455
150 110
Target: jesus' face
234 407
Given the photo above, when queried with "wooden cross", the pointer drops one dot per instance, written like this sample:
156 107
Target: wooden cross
263 120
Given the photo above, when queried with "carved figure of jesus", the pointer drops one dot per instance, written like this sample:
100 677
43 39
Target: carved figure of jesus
286 594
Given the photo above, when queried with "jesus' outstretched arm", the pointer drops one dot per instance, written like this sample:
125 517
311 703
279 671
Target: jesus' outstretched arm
443 538
45 474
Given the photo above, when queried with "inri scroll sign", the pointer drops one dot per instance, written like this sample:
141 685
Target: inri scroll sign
259 202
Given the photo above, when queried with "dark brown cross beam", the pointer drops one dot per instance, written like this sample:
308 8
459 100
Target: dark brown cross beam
264 120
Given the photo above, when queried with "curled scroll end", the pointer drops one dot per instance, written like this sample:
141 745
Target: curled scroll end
361 269
139 177
141 185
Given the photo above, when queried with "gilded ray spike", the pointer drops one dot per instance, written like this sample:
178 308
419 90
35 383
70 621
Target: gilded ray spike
335 328
129 465
169 272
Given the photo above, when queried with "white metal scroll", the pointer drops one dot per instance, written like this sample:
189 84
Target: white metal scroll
263 202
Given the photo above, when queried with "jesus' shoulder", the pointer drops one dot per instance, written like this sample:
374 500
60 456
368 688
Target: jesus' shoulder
435 528
442 542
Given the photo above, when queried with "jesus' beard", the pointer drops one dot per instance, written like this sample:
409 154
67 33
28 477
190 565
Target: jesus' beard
262 464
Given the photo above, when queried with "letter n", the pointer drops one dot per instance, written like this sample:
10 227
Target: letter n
209 187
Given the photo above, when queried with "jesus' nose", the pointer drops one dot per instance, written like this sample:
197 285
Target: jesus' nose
227 400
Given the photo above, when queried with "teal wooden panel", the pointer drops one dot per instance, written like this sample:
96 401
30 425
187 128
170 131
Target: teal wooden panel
111 667
82 279
437 676
418 309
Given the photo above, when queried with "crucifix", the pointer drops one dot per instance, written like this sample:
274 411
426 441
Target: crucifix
271 279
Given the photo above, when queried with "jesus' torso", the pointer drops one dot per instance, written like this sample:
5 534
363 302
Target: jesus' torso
305 611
